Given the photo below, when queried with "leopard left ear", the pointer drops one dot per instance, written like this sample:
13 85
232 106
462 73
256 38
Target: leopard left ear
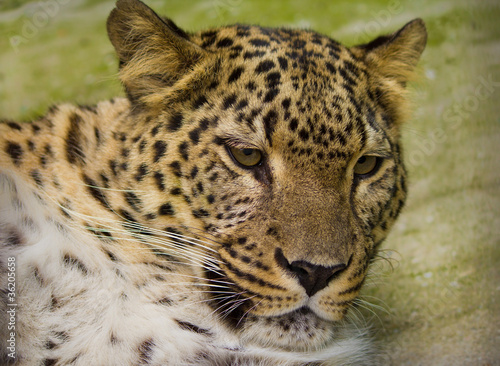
395 56
392 60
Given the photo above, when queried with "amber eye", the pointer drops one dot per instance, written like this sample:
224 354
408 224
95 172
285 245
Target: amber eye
246 157
367 165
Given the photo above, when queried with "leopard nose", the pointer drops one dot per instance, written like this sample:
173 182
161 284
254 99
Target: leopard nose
312 277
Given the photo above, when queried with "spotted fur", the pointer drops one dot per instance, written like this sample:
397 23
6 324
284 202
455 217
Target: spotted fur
140 238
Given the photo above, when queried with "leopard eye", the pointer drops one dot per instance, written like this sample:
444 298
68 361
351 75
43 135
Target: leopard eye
367 165
246 157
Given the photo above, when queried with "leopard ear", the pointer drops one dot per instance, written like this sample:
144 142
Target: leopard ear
395 56
392 60
154 53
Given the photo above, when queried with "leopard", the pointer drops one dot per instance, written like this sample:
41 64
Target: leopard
225 210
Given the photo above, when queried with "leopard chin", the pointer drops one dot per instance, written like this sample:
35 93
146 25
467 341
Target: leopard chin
303 328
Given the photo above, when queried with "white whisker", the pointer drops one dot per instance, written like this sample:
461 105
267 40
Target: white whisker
248 311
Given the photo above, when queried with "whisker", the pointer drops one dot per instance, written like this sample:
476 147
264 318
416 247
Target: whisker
216 299
161 243
248 311
137 226
355 315
224 312
383 307
361 304
234 304
218 283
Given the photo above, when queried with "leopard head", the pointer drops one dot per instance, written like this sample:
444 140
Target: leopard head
281 145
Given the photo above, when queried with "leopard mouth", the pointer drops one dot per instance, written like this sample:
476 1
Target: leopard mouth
235 303
304 312
300 326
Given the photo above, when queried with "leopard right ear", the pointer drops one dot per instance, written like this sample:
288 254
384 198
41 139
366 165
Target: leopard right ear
154 53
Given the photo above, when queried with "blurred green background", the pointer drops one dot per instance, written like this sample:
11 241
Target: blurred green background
435 299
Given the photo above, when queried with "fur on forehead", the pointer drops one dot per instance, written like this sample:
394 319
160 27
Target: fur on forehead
160 63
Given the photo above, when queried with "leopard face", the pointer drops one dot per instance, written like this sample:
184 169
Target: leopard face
281 144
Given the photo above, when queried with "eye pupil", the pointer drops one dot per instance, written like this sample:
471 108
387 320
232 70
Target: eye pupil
247 152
